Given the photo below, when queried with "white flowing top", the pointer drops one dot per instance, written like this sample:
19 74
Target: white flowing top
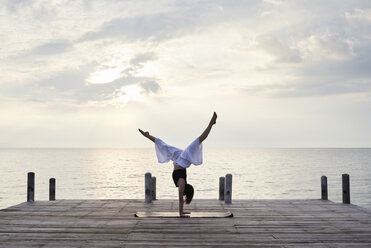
191 155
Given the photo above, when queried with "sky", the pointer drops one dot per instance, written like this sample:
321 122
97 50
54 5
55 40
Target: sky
278 73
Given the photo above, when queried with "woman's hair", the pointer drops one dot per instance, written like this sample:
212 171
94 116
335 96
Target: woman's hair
188 192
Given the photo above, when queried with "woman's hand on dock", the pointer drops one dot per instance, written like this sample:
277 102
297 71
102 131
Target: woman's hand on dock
184 215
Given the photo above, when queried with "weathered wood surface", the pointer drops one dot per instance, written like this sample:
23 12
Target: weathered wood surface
256 223
175 214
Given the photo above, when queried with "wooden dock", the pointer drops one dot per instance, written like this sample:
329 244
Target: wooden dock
256 223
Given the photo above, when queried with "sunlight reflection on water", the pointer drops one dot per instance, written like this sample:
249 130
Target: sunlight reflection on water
119 173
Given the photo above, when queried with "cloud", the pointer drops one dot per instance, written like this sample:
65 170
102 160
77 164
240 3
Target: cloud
281 52
330 65
326 46
13 5
51 48
274 2
47 51
152 27
359 14
143 58
74 82
150 86
65 85
175 21
313 87
324 77
71 84
266 13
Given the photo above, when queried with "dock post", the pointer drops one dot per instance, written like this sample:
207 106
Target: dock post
153 188
346 189
221 188
147 185
228 188
30 186
52 189
324 194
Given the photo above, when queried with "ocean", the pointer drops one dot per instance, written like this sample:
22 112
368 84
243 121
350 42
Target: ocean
119 173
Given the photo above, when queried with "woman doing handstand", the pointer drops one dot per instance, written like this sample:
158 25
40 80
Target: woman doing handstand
181 160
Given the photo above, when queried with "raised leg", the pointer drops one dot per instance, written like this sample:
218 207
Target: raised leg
208 129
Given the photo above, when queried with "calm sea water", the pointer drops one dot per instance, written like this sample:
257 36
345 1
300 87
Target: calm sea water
119 173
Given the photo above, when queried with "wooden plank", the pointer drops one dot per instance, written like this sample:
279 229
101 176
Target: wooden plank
256 223
152 214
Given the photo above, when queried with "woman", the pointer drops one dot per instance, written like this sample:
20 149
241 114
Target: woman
181 160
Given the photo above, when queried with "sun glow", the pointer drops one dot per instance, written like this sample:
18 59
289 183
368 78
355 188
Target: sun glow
110 69
128 93
105 76
149 69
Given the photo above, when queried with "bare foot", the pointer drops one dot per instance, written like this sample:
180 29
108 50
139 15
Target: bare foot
145 134
213 119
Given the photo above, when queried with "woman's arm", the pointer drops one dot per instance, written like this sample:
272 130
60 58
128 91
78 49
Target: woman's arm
181 187
147 135
208 129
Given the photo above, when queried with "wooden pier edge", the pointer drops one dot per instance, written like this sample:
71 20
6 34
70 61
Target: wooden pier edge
111 223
